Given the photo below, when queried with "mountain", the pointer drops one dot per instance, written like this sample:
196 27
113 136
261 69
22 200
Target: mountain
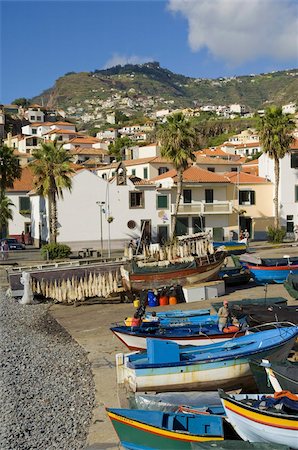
147 87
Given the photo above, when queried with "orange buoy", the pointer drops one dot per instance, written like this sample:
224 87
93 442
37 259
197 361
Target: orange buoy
163 300
172 300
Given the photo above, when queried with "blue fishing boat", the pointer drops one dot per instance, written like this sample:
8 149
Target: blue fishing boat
155 430
185 320
231 247
271 270
195 334
179 313
166 366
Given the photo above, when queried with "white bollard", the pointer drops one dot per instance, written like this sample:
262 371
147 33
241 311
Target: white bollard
27 298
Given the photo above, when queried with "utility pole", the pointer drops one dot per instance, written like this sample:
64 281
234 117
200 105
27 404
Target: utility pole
101 205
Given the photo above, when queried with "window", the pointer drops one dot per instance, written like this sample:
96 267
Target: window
296 193
136 199
209 195
162 170
104 176
32 117
24 204
186 195
181 226
145 172
211 169
133 172
34 131
234 169
290 224
60 138
162 202
294 160
247 198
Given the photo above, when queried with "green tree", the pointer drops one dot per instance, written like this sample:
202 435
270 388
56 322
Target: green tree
10 169
52 169
22 101
275 135
177 137
5 214
117 148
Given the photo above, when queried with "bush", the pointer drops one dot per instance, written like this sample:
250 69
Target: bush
55 251
276 235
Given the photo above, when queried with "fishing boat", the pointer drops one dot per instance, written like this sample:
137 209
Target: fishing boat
136 338
155 275
166 366
270 270
234 445
180 314
275 375
267 301
233 276
231 247
155 430
291 285
257 315
271 419
185 320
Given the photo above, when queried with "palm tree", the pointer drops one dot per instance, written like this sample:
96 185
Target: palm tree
275 135
52 169
10 169
5 213
177 137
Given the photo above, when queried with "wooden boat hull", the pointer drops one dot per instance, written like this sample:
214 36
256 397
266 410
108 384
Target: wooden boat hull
261 426
184 277
138 435
138 342
228 372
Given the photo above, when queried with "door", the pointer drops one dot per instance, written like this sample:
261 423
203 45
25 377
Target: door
209 195
245 223
163 234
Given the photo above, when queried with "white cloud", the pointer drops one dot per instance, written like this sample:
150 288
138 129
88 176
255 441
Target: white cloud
241 30
121 60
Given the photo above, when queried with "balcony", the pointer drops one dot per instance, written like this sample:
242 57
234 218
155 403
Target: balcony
202 208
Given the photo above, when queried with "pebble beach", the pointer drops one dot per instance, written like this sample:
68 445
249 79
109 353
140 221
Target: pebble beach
46 385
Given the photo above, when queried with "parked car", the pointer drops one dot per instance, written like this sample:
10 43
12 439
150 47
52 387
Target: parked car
13 244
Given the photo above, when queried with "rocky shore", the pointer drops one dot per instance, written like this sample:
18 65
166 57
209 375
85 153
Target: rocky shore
46 384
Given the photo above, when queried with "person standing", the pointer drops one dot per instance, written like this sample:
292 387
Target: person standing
224 315
23 238
5 250
246 236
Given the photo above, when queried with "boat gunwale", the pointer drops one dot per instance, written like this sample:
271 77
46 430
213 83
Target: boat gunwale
134 366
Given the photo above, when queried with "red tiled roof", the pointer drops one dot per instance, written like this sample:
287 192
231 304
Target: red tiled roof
25 183
211 152
245 178
254 162
60 131
212 161
83 139
241 145
294 144
194 174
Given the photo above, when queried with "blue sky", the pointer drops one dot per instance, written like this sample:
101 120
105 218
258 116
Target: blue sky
42 40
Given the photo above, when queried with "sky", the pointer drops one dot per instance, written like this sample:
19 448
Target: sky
42 40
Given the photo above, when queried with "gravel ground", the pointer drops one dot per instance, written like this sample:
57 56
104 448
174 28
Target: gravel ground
46 384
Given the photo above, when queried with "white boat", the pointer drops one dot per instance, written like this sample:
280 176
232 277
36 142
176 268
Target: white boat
255 422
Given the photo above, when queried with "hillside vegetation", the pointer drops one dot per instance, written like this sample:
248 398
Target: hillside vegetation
169 89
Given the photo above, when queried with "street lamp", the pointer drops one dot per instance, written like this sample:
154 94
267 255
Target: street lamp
101 205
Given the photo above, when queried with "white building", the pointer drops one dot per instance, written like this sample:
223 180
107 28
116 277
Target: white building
290 108
80 217
34 113
143 168
288 185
